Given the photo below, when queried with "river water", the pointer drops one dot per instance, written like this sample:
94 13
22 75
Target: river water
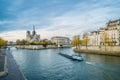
49 65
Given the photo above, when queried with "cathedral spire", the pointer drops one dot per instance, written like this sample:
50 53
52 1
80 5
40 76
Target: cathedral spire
34 30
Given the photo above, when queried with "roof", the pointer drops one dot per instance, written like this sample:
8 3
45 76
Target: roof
59 37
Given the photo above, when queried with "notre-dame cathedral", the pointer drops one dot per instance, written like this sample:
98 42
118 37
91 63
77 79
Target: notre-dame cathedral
32 37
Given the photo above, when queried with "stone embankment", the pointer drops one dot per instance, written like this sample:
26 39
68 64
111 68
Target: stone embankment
11 70
101 50
3 64
39 47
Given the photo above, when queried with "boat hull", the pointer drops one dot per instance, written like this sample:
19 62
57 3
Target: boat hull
70 57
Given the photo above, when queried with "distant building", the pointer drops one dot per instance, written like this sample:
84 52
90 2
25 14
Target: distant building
109 35
86 39
34 37
96 37
113 31
60 41
101 35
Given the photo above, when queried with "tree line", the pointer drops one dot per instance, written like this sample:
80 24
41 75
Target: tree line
106 41
42 42
76 41
2 42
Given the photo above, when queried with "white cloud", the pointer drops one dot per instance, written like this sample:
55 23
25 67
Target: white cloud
81 18
75 21
13 35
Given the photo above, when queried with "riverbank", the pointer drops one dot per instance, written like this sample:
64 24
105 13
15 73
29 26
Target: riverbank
99 52
14 72
47 63
3 64
40 47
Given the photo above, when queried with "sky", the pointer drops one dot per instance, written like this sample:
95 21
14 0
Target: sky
55 17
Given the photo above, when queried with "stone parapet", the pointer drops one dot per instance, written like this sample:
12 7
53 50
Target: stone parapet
5 72
112 51
101 48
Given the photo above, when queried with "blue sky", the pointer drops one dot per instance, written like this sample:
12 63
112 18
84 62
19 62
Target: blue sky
55 17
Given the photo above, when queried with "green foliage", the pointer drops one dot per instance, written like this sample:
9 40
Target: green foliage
2 42
41 43
76 41
21 42
32 43
105 38
85 40
18 42
108 41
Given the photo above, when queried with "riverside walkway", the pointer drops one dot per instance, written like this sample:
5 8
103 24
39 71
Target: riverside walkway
2 63
14 73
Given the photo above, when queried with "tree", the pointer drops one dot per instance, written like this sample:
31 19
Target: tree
11 43
85 39
105 39
76 41
18 42
23 42
2 42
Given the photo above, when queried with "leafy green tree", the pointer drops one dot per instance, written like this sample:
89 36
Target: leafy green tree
76 41
105 39
85 39
23 42
11 43
18 42
2 42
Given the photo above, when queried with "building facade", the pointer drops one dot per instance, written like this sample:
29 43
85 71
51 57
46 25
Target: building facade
32 37
60 40
109 35
113 31
94 38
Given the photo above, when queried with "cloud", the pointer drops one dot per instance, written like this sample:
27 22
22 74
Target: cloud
75 20
13 35
58 17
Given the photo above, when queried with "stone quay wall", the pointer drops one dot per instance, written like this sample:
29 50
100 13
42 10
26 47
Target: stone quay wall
38 47
4 73
102 50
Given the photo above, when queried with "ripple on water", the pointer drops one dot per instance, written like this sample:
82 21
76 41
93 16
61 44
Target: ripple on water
48 65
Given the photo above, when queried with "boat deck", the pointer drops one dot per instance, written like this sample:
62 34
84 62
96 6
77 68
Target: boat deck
70 56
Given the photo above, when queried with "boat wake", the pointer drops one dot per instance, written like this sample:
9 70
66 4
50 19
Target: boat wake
92 63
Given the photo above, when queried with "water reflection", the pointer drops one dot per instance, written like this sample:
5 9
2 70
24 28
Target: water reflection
49 65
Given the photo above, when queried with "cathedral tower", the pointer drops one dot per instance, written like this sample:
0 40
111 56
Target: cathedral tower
28 35
33 30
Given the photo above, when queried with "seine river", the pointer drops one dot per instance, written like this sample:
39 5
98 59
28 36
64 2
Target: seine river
49 65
